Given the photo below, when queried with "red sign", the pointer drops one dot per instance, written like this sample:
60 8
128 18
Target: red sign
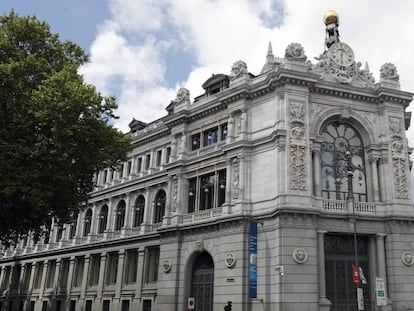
355 277
190 303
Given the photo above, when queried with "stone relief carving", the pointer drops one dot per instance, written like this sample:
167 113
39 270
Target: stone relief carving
297 111
183 96
174 194
395 126
230 260
400 169
297 147
243 122
389 71
300 255
199 246
295 51
239 69
167 265
173 147
236 178
183 144
331 71
407 258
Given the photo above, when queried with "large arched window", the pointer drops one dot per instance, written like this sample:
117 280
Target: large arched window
87 222
139 210
159 211
103 219
342 161
120 215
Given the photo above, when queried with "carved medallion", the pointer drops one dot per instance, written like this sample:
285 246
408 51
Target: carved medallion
230 260
167 265
300 255
407 258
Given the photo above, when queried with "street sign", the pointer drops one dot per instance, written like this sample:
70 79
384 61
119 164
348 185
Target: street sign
360 298
190 303
355 277
380 292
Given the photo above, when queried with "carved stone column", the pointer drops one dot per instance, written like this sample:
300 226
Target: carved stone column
119 281
110 221
147 211
32 278
126 228
57 273
229 178
21 277
70 274
317 172
43 279
375 184
168 200
140 279
85 278
230 130
324 303
101 282
381 262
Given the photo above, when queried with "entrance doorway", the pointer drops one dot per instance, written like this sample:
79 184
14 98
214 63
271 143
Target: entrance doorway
202 282
339 258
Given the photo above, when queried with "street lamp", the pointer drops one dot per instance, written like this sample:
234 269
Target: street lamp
350 203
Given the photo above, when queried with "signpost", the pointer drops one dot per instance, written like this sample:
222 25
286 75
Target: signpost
360 298
380 292
190 303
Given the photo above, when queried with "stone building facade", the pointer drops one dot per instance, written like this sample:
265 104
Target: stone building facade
311 156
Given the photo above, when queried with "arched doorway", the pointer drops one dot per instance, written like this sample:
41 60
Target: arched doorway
202 282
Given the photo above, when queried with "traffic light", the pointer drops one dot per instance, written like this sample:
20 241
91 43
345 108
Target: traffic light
229 306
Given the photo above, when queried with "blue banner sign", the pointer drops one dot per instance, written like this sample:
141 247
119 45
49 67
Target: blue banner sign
253 260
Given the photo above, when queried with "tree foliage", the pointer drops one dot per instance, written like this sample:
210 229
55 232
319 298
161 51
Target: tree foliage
55 130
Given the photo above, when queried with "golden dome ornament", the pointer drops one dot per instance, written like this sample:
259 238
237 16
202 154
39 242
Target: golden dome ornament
331 17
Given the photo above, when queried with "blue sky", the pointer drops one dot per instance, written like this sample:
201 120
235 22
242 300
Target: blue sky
142 51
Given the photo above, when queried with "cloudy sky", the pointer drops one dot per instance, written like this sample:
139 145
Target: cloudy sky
142 51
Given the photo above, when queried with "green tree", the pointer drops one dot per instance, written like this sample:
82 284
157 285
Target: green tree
55 130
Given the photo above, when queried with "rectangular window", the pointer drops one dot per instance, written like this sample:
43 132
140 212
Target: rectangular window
121 170
112 268
147 162
38 275
64 273
129 167
159 154
139 164
6 278
72 305
146 305
51 270
131 266
94 270
167 155
210 136
195 141
192 190
206 192
88 305
105 176
79 266
32 305
106 305
221 188
58 305
27 274
153 258
44 306
223 131
125 305
72 229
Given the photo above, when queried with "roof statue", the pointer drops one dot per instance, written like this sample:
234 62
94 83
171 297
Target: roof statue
331 20
295 51
239 69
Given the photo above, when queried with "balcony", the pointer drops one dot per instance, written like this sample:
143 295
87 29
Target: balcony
202 215
341 207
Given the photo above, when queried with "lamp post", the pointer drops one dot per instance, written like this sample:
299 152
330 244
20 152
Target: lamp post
350 203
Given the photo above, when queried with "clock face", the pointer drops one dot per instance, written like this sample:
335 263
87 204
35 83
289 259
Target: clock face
341 54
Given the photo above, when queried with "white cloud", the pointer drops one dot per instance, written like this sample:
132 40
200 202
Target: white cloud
221 32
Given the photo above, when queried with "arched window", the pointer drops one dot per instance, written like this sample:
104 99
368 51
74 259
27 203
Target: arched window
139 210
87 222
120 215
103 219
159 211
342 162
